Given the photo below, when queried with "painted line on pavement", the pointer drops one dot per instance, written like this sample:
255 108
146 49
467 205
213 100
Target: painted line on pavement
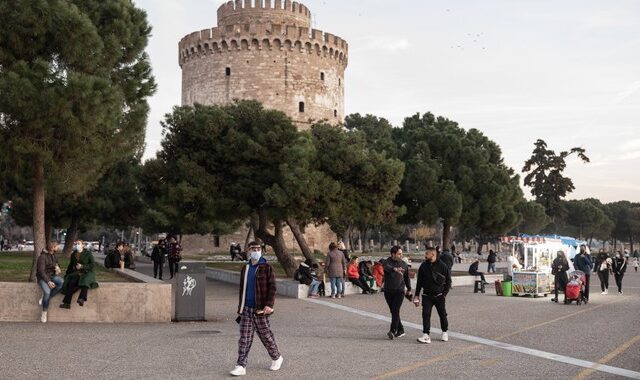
585 310
415 366
492 343
607 358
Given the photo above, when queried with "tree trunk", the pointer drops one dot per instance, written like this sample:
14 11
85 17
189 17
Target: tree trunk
247 239
275 241
38 214
72 236
630 244
47 234
446 233
302 242
590 241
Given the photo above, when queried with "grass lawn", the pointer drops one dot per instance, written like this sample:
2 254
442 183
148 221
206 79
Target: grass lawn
16 267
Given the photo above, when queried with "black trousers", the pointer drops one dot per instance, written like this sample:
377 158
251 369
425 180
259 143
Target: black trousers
173 267
73 287
619 280
394 299
604 279
481 274
427 306
560 283
157 269
586 286
359 282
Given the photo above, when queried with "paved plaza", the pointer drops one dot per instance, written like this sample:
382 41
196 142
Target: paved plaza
490 337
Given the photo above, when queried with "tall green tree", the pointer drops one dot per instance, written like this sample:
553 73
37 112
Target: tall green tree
587 218
548 185
626 218
457 177
74 80
533 217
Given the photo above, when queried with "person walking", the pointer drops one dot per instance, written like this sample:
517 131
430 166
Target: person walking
256 300
491 261
174 253
582 262
158 256
81 274
559 269
434 277
48 275
396 286
336 267
619 266
635 265
603 267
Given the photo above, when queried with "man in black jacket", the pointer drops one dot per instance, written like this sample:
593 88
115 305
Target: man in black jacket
397 286
434 277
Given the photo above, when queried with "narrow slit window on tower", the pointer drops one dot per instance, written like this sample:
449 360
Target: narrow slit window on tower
335 113
339 81
321 76
301 107
227 71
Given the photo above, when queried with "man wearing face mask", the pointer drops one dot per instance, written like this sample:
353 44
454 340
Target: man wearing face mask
257 297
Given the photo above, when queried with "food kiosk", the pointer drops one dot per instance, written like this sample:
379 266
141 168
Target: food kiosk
536 253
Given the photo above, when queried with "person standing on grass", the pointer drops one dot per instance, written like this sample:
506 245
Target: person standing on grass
48 275
257 297
396 286
434 277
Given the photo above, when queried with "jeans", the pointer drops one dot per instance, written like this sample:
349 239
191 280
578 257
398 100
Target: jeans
313 288
394 300
427 305
491 267
47 292
336 285
342 281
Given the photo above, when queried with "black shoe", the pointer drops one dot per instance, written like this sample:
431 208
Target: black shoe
554 300
65 306
160 279
566 302
81 302
390 335
399 334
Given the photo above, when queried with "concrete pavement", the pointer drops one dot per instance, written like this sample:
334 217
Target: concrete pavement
319 341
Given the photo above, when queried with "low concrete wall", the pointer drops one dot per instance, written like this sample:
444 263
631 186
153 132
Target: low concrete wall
293 289
126 302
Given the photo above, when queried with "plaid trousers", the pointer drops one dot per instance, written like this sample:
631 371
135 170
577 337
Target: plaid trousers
250 323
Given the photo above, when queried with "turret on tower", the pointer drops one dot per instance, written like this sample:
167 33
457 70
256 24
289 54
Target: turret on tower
265 50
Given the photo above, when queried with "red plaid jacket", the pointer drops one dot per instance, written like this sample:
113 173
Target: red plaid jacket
265 286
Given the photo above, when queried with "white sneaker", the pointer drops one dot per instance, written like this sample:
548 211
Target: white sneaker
424 339
238 371
606 291
43 317
40 301
603 293
275 364
445 336
621 292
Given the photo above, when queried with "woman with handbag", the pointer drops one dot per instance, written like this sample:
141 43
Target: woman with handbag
603 267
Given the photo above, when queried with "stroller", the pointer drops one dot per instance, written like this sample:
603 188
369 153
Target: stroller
575 288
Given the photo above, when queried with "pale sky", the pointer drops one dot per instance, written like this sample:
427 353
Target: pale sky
565 71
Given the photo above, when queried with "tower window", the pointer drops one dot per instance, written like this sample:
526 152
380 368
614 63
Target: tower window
301 107
339 82
335 113
321 76
227 71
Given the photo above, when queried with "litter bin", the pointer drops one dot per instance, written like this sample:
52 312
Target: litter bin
506 288
189 290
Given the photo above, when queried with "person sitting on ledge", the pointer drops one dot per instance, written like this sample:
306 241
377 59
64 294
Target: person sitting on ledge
354 276
473 270
48 277
81 274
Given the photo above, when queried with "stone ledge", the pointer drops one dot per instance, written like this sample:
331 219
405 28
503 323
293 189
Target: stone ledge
110 303
293 289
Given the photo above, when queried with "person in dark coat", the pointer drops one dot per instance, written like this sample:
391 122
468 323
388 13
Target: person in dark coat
174 252
603 267
447 258
473 270
582 262
80 275
235 251
619 266
158 256
491 261
559 269
434 277
48 275
115 256
397 286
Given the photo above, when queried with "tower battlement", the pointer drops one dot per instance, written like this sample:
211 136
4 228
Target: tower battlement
285 12
260 37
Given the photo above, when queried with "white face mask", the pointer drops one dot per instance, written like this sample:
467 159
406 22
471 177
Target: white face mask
256 255
78 247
